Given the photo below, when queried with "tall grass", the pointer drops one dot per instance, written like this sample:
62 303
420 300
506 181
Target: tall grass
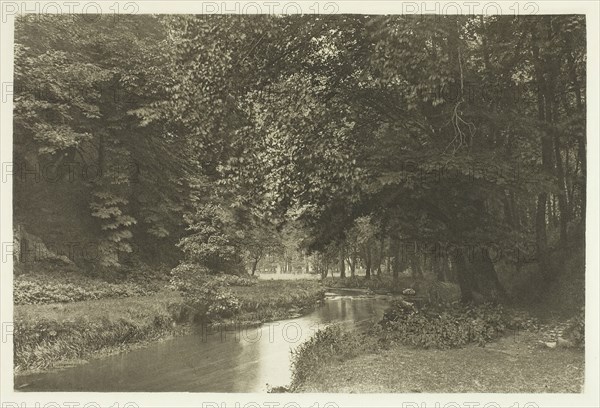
47 334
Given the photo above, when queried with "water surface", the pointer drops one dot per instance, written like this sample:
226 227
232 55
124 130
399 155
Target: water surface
240 360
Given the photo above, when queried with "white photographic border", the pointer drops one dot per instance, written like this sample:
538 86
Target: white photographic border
589 398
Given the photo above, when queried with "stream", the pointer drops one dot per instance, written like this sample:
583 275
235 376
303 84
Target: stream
236 360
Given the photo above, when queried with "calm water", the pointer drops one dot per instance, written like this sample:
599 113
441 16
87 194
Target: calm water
243 360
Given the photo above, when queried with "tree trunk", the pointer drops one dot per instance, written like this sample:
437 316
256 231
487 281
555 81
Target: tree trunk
581 142
509 213
380 258
368 262
581 152
352 265
395 252
487 271
547 166
255 265
342 264
415 266
540 234
466 280
445 266
551 117
562 197
436 263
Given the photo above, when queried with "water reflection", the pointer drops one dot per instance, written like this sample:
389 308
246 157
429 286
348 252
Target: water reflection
237 360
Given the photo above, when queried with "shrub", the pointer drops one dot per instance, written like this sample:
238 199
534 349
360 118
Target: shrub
222 304
521 320
576 328
144 276
332 343
215 242
453 326
206 294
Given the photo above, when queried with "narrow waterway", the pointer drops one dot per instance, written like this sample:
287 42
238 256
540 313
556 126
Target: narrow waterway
237 360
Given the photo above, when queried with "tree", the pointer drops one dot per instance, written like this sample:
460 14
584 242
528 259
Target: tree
332 120
76 112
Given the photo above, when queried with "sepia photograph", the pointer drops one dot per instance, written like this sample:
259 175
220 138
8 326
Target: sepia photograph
296 198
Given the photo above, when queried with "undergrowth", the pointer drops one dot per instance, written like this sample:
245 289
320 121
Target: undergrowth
451 326
47 334
332 343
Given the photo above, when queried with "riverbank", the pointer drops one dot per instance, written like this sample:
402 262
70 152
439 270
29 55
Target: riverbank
58 335
431 290
490 348
514 363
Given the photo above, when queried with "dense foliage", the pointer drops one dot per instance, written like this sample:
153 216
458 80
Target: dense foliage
70 286
448 327
444 154
376 131
209 297
76 130
439 146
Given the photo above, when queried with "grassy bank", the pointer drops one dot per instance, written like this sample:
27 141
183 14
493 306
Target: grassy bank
510 364
54 335
426 349
274 300
50 336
